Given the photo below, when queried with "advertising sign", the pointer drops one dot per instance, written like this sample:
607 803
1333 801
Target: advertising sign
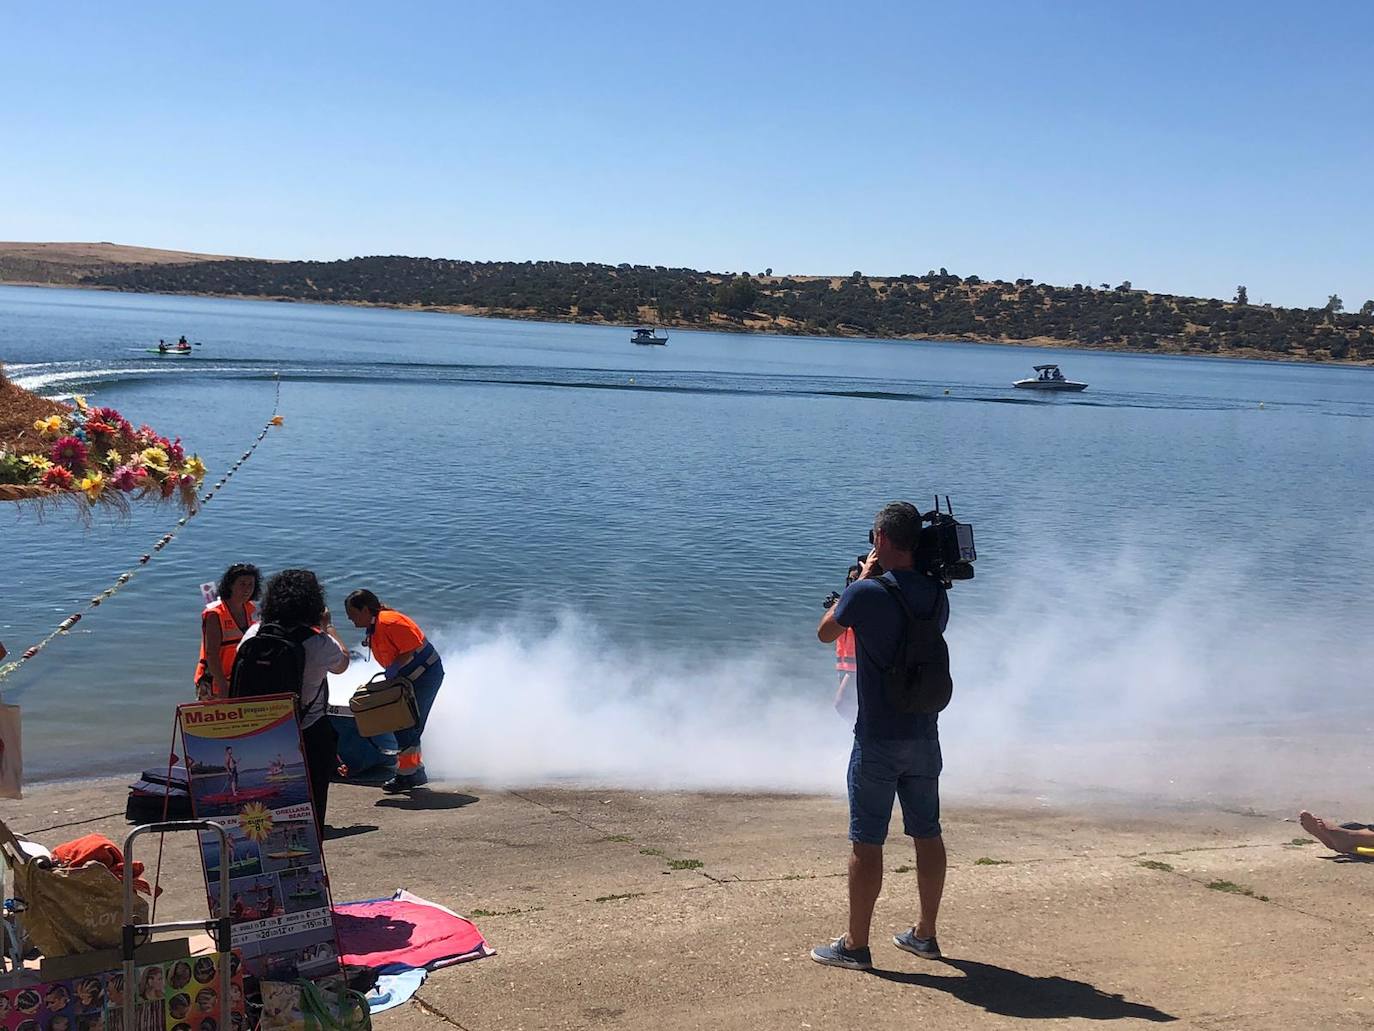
247 773
180 995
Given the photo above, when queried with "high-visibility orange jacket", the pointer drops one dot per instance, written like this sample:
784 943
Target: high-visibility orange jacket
845 661
230 632
392 634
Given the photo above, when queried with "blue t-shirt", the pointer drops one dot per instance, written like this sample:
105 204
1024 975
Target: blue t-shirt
877 621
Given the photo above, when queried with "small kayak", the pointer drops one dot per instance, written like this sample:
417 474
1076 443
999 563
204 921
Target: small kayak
170 352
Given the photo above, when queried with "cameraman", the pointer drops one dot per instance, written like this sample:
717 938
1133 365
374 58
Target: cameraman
895 754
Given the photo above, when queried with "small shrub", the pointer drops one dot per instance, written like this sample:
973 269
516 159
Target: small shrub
1236 889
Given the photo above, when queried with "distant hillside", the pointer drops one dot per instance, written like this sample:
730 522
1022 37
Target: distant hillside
938 305
72 263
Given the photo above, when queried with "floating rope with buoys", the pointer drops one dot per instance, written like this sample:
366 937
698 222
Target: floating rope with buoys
66 625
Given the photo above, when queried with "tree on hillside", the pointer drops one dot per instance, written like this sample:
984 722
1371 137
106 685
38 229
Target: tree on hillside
1367 309
1334 304
737 294
1125 286
768 272
1241 296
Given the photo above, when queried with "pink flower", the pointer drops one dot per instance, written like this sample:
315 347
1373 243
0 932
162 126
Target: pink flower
126 430
105 414
125 478
176 452
71 453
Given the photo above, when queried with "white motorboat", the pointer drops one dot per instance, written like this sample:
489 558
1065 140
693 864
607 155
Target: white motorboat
1049 378
645 335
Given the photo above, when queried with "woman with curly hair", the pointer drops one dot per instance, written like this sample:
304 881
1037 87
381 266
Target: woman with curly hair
222 626
294 603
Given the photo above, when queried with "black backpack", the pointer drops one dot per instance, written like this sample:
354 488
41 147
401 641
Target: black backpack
918 680
272 661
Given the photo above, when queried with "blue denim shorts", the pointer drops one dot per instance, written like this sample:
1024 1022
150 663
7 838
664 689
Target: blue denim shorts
880 770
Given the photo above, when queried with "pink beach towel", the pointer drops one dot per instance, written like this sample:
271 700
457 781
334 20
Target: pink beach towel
406 931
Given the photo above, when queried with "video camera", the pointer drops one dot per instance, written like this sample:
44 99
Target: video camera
944 550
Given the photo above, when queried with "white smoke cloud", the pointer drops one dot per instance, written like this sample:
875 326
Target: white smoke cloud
1111 682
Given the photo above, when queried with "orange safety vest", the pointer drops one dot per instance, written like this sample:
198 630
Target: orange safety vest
393 633
230 634
845 661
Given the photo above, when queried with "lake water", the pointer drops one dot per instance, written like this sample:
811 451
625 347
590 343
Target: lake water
622 550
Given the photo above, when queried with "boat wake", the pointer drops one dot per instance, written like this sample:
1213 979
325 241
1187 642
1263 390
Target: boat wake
59 380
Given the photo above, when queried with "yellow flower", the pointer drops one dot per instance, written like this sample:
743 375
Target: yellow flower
114 457
196 467
51 425
39 462
156 458
80 400
93 485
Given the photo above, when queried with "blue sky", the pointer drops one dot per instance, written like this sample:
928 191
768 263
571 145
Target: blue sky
1187 147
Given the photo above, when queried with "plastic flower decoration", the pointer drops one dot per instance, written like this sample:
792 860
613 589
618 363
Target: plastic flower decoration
58 476
80 400
125 478
70 452
92 485
195 468
38 463
50 426
156 458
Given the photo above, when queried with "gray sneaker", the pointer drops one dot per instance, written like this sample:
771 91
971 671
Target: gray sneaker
835 954
926 948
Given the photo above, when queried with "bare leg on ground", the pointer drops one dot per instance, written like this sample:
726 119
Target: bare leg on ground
865 882
1338 839
930 882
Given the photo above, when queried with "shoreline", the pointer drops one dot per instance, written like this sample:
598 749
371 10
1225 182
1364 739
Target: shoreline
727 326
629 910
